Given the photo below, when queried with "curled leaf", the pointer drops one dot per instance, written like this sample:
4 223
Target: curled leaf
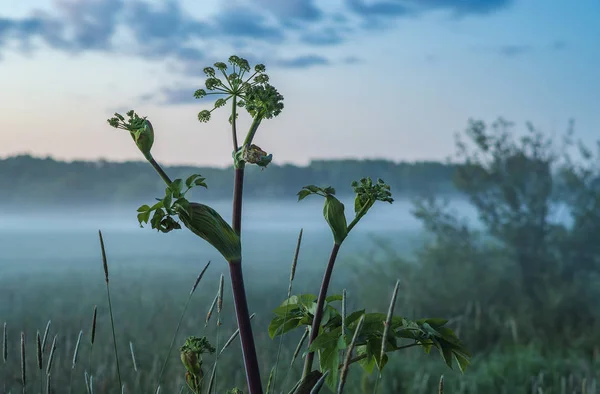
335 217
206 223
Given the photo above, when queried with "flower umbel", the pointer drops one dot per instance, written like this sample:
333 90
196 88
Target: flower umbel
252 92
140 129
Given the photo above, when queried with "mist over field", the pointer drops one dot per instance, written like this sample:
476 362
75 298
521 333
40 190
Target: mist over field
66 238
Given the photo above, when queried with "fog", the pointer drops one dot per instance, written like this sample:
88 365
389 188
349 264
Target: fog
53 240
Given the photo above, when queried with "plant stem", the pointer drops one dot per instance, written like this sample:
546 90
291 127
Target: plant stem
239 295
233 124
253 127
238 192
314 332
363 356
245 327
160 171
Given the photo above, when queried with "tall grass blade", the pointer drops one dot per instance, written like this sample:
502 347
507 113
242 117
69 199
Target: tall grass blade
4 344
233 336
317 387
344 372
74 361
23 368
386 331
289 294
110 310
46 331
92 337
38 341
174 338
219 310
133 356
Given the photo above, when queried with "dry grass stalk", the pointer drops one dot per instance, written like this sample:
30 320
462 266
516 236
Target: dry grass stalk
344 372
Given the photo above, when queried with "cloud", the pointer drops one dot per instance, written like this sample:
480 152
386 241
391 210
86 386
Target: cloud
352 60
508 50
176 96
287 11
376 9
404 8
90 24
166 31
246 23
558 45
323 37
514 50
465 7
303 61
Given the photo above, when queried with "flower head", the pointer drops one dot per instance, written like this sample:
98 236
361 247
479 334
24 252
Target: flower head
141 130
252 91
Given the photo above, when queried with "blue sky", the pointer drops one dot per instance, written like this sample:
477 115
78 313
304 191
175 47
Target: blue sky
361 78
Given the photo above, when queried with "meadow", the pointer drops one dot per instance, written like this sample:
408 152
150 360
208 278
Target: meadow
52 271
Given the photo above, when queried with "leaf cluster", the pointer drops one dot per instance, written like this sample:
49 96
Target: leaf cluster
174 199
334 337
367 193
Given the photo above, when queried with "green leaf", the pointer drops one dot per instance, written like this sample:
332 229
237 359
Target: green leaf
341 344
190 180
312 188
447 355
368 363
329 313
307 300
206 223
156 206
182 203
281 325
167 200
326 340
462 361
287 309
357 204
176 187
157 218
354 316
433 322
329 360
302 194
333 211
334 297
143 208
200 182
143 217
328 190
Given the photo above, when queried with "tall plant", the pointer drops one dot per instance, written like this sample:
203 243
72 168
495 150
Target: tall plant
372 335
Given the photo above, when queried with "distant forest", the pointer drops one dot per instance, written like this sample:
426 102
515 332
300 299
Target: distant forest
25 179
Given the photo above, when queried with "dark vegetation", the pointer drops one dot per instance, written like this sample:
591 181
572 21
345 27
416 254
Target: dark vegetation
25 179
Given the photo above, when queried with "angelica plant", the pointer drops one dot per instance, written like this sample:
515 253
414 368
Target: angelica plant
340 339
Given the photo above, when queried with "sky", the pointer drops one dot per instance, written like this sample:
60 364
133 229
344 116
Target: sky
393 79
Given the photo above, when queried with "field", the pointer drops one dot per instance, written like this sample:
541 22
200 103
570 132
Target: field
51 269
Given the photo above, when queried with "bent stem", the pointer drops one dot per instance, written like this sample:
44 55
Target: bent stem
314 331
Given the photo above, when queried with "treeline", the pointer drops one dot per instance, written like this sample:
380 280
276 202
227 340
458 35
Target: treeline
25 179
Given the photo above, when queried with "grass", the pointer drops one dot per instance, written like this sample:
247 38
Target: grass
147 306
